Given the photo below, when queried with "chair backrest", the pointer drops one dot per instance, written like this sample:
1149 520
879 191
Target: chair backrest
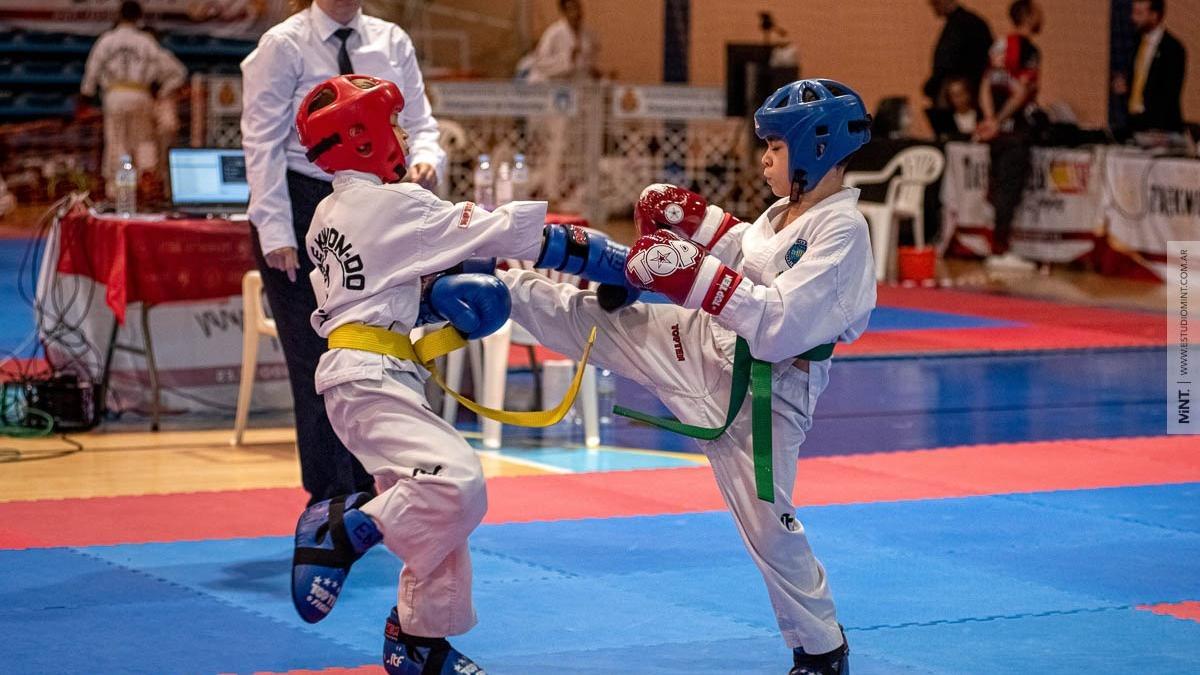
918 167
254 315
451 136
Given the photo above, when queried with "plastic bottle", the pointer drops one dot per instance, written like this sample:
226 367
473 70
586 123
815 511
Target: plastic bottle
126 184
485 189
504 184
606 390
520 178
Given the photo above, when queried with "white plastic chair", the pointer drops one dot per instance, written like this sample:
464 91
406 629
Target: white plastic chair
494 374
917 168
255 324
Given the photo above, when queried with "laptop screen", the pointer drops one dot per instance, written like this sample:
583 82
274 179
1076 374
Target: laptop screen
208 176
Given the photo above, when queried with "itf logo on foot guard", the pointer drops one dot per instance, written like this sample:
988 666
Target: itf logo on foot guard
1183 275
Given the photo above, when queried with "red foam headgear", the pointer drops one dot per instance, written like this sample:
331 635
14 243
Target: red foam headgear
346 123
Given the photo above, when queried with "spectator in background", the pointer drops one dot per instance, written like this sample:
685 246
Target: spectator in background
125 64
961 51
1008 102
321 40
964 108
566 49
1154 82
7 201
892 119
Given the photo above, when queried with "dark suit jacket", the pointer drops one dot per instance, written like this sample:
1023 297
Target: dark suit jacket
1164 85
961 51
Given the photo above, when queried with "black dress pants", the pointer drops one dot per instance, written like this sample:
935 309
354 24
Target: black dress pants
1011 155
327 469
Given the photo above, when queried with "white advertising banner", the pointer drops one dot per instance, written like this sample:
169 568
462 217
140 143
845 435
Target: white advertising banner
668 102
197 346
1060 217
1149 202
967 216
500 99
239 19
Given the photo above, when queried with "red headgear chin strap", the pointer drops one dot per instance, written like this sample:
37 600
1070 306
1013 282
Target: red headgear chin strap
346 123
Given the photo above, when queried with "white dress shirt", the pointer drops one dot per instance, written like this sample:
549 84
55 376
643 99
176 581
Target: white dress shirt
371 243
555 57
809 284
293 57
129 57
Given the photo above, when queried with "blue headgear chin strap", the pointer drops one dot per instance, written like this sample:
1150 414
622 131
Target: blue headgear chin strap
822 122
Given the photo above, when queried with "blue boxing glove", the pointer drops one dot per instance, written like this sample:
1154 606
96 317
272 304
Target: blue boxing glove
475 304
425 312
591 255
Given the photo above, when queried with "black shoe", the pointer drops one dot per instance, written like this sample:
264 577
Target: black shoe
836 662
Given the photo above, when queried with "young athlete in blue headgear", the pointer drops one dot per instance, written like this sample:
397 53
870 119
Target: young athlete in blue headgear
774 296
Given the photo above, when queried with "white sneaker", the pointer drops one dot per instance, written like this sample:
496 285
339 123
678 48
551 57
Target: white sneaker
1009 262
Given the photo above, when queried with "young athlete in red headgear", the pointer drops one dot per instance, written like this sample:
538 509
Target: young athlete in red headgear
382 249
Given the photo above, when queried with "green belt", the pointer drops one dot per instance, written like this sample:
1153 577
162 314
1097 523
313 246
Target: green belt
750 374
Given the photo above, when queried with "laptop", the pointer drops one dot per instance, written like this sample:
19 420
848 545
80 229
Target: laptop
208 182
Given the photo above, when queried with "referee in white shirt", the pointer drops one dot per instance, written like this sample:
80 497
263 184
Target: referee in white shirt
324 38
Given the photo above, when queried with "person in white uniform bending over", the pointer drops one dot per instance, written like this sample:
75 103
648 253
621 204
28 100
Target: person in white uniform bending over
785 288
566 52
122 67
381 250
566 49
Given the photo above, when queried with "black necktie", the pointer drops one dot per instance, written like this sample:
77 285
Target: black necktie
344 65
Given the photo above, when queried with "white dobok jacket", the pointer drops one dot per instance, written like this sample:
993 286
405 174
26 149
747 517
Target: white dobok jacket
371 244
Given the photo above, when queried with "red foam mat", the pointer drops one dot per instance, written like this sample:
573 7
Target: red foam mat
919 474
1189 610
1049 325
359 670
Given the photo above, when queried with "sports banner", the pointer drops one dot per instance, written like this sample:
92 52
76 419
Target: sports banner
1149 202
1059 218
668 102
240 19
500 99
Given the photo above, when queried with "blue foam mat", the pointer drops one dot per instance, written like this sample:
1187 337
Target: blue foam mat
18 321
1014 583
899 318
880 405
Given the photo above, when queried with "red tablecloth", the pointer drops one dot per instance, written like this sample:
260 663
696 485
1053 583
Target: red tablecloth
155 261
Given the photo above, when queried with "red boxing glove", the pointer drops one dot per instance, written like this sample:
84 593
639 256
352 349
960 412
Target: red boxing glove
682 270
684 212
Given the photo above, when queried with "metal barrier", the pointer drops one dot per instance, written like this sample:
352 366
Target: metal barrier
591 147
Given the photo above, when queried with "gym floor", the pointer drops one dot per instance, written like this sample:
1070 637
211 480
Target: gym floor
988 484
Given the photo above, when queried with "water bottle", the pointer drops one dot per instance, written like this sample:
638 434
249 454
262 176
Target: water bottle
520 178
504 184
485 190
126 184
606 389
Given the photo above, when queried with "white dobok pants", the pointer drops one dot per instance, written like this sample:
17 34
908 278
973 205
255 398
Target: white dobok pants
432 495
685 359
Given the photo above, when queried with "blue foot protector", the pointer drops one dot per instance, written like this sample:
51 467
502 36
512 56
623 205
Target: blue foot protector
409 655
330 536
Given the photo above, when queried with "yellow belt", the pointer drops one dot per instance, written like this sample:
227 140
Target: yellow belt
439 343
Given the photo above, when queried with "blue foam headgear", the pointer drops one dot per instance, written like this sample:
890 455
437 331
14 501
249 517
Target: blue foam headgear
822 122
